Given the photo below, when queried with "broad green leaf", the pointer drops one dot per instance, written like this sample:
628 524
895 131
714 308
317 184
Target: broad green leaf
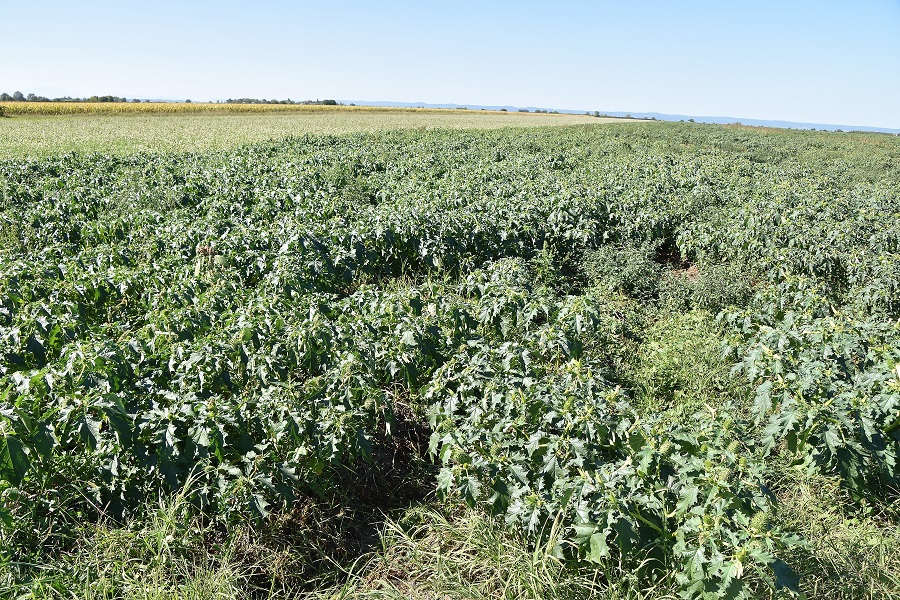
14 461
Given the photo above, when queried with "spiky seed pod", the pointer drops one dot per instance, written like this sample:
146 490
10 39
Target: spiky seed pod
761 522
667 448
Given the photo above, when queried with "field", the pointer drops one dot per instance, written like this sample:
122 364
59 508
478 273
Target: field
206 108
33 130
616 360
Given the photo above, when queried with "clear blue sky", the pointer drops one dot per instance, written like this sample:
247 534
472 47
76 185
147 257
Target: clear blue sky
822 61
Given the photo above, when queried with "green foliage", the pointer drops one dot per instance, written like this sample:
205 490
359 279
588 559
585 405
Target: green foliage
624 269
712 287
255 321
528 427
680 367
827 385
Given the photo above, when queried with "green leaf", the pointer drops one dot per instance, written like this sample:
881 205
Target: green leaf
688 499
734 589
408 338
473 489
43 440
200 435
519 472
599 547
89 431
120 424
6 518
785 577
260 505
626 537
14 462
763 402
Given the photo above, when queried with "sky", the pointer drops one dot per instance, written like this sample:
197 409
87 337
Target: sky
817 61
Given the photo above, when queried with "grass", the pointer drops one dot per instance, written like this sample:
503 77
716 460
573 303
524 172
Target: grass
198 130
854 549
458 553
162 557
437 552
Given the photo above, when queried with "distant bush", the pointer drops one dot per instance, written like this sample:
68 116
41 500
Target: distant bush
106 99
327 102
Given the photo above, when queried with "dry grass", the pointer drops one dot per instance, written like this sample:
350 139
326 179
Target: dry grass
197 129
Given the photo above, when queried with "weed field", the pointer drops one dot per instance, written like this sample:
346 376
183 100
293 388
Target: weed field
617 361
188 127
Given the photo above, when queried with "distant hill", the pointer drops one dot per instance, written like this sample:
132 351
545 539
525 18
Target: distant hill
641 115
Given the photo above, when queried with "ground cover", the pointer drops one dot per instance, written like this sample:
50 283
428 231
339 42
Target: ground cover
615 361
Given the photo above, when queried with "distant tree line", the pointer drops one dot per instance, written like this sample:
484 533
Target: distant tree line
20 97
288 101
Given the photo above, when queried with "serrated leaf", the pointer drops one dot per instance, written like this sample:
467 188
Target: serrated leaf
43 440
688 499
88 430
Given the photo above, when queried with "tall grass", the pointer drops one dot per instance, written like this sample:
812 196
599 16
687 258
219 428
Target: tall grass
440 551
165 556
854 547
460 553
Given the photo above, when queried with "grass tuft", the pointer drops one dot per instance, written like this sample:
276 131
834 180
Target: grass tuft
460 553
853 549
